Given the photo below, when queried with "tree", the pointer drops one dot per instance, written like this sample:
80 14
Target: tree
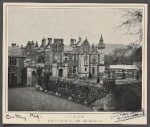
124 56
132 22
137 54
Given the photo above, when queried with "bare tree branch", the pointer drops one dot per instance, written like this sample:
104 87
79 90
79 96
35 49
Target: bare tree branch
132 23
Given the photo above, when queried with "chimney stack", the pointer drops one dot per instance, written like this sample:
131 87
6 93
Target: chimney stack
36 44
61 41
49 41
43 42
72 42
80 38
93 46
13 44
32 43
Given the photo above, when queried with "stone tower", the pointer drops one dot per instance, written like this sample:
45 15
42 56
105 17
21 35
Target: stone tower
101 52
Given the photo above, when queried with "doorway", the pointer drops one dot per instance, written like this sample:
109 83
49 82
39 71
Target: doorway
60 74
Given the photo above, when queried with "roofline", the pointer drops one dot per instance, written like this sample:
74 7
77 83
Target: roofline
18 56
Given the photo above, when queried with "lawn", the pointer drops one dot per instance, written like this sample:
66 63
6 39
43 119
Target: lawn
28 99
128 96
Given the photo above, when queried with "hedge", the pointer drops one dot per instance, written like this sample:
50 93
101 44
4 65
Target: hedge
81 93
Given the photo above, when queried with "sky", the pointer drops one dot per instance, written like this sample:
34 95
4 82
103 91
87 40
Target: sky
27 24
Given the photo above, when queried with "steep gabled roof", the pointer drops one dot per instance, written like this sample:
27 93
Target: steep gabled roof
101 43
80 42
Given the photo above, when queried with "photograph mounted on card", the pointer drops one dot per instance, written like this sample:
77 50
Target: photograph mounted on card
74 63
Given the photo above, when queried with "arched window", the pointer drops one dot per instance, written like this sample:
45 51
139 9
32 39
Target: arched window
86 60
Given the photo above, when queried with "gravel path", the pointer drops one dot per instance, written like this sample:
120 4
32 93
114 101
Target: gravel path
28 99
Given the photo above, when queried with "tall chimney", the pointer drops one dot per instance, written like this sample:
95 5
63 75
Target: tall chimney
61 41
43 42
49 41
32 43
13 44
36 44
72 42
93 46
80 38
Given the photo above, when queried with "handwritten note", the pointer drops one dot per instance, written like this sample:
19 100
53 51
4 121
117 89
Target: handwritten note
16 116
72 118
122 116
35 116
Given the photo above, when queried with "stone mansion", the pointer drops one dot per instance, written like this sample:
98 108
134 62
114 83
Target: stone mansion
79 59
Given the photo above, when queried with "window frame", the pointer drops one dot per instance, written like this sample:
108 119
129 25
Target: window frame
74 68
41 60
13 61
86 60
85 69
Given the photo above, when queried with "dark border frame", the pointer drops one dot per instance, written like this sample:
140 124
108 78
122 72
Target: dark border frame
74 1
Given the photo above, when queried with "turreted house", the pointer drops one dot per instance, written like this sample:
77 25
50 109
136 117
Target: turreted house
79 59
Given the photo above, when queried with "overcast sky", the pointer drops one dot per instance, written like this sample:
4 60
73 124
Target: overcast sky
27 24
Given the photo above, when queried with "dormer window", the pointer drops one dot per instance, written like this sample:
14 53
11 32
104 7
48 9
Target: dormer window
74 69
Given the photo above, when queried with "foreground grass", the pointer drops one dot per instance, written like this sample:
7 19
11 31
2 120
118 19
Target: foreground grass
128 97
28 99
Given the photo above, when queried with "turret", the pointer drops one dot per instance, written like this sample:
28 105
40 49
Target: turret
101 44
101 51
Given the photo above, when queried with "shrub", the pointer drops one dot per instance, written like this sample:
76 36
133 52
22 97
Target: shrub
80 93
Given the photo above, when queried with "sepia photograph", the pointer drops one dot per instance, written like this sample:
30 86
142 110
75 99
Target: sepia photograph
76 60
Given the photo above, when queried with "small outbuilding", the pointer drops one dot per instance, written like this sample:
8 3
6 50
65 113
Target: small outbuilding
124 71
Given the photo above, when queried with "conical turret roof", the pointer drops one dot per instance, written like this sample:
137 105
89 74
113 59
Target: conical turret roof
101 44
